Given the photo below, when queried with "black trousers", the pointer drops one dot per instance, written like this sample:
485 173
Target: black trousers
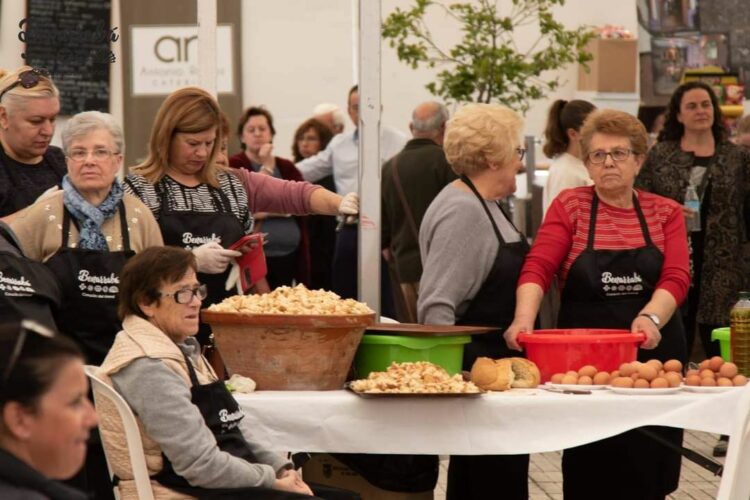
282 270
487 477
344 274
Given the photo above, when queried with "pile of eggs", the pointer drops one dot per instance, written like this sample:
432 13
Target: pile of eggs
715 372
653 374
587 375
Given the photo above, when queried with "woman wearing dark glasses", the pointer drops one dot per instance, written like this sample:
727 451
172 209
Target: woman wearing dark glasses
45 415
195 436
30 168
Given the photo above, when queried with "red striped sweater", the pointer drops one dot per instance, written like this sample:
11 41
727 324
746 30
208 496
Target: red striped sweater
564 234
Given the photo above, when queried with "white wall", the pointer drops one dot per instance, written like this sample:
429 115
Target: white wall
306 57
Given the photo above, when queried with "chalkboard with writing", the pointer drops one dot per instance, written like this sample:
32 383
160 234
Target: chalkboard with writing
71 39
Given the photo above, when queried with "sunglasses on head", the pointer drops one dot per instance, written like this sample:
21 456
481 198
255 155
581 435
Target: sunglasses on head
13 334
27 79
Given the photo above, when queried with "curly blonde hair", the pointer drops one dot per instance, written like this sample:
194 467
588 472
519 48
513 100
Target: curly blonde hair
480 134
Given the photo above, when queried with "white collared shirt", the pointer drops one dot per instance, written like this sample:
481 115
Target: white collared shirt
341 158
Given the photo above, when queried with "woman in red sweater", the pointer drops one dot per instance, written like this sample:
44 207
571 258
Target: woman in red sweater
622 260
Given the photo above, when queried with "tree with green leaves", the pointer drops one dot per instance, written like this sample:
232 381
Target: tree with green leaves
487 65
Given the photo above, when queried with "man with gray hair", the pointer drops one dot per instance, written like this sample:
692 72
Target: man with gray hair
410 181
331 116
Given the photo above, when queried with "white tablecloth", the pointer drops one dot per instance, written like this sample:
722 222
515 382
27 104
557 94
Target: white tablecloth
518 421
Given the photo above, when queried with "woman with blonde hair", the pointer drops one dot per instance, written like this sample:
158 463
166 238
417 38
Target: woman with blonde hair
30 168
472 256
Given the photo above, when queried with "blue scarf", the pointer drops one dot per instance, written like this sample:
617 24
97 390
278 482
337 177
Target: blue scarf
89 217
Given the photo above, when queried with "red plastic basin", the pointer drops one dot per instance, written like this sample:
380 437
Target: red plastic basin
557 351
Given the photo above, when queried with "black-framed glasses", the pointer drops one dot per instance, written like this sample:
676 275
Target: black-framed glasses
618 154
99 154
521 152
27 79
185 295
13 335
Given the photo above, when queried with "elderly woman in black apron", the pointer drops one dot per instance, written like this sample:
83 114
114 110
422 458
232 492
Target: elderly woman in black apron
30 168
594 239
195 436
472 257
84 234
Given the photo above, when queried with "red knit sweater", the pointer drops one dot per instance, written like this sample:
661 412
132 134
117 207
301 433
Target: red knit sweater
564 234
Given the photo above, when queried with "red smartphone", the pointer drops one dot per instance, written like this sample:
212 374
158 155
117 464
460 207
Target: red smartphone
252 263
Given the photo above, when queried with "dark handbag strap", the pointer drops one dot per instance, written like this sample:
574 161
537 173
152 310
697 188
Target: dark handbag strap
402 198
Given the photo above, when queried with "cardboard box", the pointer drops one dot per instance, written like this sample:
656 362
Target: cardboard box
326 470
613 68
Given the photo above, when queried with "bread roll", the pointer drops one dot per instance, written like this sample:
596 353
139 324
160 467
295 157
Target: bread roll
502 374
491 375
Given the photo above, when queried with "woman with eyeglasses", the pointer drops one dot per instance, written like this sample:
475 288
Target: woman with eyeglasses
621 259
45 414
196 439
84 234
472 255
30 168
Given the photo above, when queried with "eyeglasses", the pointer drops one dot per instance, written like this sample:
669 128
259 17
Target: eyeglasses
185 295
27 79
99 154
13 336
521 153
619 154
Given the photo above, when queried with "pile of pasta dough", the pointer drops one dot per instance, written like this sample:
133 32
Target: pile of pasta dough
420 377
292 300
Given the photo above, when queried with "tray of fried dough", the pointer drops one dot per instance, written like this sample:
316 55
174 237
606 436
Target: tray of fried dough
413 379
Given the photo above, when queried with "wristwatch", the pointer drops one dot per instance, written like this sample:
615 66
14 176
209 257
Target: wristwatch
653 317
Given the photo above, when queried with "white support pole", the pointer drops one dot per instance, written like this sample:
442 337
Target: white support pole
207 45
369 153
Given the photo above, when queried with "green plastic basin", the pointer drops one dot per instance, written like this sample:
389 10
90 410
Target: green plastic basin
377 352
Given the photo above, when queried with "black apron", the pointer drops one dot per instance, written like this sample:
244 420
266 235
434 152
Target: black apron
645 469
90 281
28 286
222 414
191 229
483 477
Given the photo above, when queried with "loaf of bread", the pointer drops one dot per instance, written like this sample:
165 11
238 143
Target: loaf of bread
503 374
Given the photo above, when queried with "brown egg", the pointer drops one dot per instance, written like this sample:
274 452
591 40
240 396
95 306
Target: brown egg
585 380
715 363
572 372
707 373
570 379
708 382
641 383
635 376
602 378
673 365
739 380
728 370
655 363
704 365
674 379
627 369
692 371
557 378
623 382
724 382
647 371
614 374
693 380
659 383
588 370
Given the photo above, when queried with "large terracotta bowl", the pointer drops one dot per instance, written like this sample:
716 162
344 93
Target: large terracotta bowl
289 352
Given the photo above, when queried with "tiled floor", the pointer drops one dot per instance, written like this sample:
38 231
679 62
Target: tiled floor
545 477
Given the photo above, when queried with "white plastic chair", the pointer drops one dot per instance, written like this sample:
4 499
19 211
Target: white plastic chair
132 435
735 480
